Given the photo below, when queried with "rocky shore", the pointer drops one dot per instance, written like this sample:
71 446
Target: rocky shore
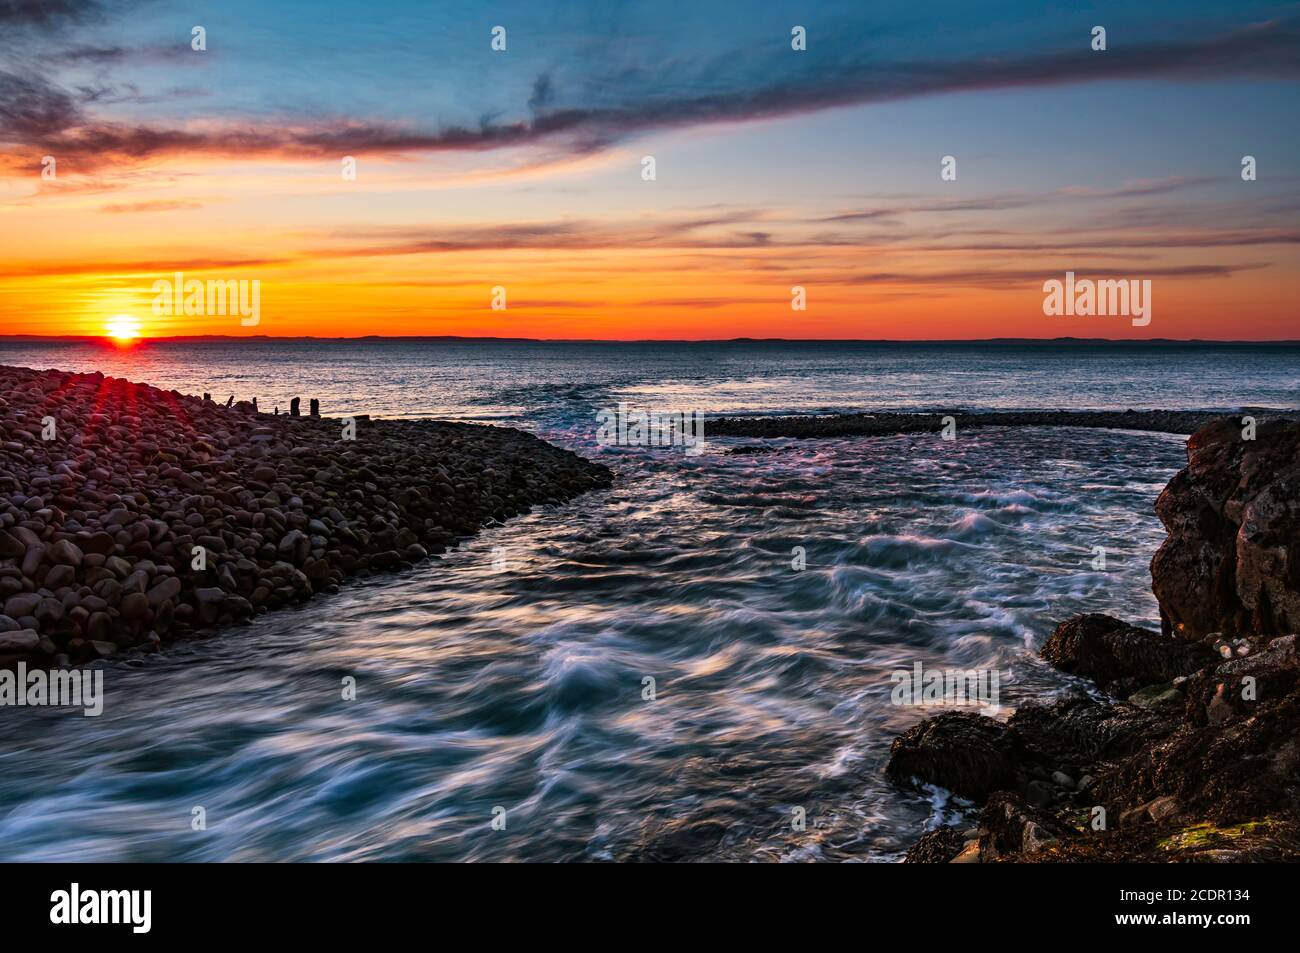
1196 754
131 516
880 424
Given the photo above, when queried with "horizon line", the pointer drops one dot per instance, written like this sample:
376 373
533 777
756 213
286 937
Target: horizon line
261 338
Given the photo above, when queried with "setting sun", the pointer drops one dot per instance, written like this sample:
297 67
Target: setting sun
123 328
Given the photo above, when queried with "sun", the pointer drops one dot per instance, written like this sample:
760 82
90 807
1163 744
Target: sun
123 329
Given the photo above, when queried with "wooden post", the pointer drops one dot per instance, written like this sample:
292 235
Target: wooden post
315 407
295 407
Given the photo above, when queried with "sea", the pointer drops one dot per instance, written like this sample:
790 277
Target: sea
697 664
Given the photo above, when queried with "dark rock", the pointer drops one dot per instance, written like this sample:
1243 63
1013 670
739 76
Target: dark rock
1009 826
135 606
10 546
1231 562
938 846
968 754
1119 657
66 553
164 591
20 641
23 604
1079 731
60 576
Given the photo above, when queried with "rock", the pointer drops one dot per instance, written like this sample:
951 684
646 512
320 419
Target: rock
968 754
99 625
135 606
10 546
938 846
100 544
108 519
295 546
60 576
49 611
164 591
32 559
66 553
1119 657
1157 698
1227 771
1063 780
23 604
1231 562
1202 764
1157 810
1040 794
209 601
22 640
1010 826
1080 731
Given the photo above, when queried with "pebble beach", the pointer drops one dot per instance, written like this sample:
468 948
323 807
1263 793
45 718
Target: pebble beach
131 516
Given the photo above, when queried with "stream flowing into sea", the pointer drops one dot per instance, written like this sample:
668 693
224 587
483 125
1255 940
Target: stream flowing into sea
512 673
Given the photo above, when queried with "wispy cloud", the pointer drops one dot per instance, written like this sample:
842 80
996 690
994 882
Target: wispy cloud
39 117
153 205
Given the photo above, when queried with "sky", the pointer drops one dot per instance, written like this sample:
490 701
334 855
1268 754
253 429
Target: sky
506 192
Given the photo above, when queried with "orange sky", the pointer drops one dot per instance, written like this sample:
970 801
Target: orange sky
800 173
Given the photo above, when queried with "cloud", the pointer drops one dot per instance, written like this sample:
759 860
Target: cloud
157 267
34 110
1136 188
153 205
45 119
46 13
115 55
992 278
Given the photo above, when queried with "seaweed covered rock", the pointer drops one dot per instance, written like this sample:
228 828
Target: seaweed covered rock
939 846
1119 657
1009 826
1247 770
970 755
1079 732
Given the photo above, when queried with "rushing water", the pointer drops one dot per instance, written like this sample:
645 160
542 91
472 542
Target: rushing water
510 673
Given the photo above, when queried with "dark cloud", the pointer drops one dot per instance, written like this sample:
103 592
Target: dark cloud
33 110
46 13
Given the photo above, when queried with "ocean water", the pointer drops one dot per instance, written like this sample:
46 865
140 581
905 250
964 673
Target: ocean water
511 673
